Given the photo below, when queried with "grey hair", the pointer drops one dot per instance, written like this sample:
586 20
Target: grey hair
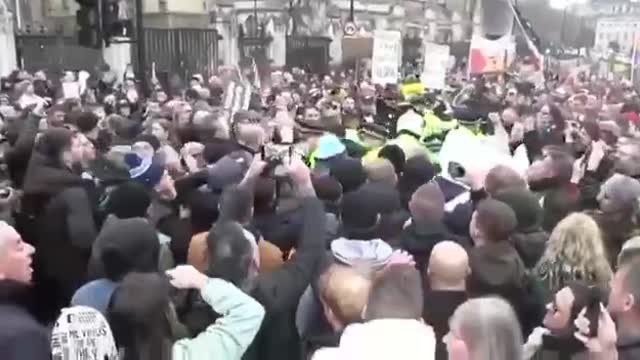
3 240
489 328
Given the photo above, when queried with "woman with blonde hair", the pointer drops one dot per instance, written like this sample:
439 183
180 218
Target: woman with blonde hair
575 252
484 329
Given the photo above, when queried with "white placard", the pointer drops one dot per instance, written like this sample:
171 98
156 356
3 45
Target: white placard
82 333
71 90
436 63
387 52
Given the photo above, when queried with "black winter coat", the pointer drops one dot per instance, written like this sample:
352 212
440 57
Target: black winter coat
60 210
21 337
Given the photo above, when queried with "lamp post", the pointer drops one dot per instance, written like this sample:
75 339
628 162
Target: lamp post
352 10
141 48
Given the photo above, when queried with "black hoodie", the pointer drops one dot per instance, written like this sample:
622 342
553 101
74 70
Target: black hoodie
21 337
419 240
123 246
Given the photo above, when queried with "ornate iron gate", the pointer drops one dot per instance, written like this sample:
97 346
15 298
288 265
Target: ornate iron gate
54 53
175 51
182 52
308 52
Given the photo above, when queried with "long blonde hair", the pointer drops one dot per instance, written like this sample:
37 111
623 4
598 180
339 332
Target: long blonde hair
576 243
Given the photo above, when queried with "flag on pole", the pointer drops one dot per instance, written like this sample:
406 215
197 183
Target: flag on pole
530 36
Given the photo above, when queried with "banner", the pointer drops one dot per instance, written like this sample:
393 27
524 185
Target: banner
435 66
387 53
491 56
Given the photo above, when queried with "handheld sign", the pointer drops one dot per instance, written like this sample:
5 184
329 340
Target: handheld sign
387 52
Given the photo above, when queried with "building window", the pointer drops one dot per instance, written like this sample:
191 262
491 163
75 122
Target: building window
163 5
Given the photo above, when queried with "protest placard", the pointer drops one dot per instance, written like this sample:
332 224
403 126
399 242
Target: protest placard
387 52
435 66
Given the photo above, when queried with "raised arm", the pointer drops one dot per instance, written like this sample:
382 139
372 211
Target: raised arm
230 336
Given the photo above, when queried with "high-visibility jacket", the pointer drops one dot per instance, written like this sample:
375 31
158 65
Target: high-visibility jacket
410 145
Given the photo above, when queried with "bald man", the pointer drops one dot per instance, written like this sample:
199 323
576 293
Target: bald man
427 227
446 275
21 337
344 293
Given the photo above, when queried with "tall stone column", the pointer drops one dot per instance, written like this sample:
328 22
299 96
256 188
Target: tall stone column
8 58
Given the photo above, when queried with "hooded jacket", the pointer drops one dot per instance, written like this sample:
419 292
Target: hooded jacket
496 269
419 240
128 245
21 337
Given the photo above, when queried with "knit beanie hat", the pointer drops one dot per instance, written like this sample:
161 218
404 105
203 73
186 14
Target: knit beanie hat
148 171
349 172
359 214
526 207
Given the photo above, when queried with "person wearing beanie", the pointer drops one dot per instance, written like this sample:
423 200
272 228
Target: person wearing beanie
417 171
145 170
370 212
529 239
349 172
123 246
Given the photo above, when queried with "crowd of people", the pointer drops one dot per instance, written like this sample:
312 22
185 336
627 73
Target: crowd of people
328 218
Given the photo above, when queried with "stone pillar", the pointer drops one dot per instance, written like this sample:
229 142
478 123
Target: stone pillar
8 58
228 46
278 47
118 56
335 48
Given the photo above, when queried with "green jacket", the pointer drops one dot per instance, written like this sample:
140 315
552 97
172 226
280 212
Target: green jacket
230 336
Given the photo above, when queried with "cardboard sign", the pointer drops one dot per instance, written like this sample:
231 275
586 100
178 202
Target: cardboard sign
436 64
387 52
82 333
491 56
71 90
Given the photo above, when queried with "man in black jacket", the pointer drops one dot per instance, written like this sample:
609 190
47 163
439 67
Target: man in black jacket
21 337
427 228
